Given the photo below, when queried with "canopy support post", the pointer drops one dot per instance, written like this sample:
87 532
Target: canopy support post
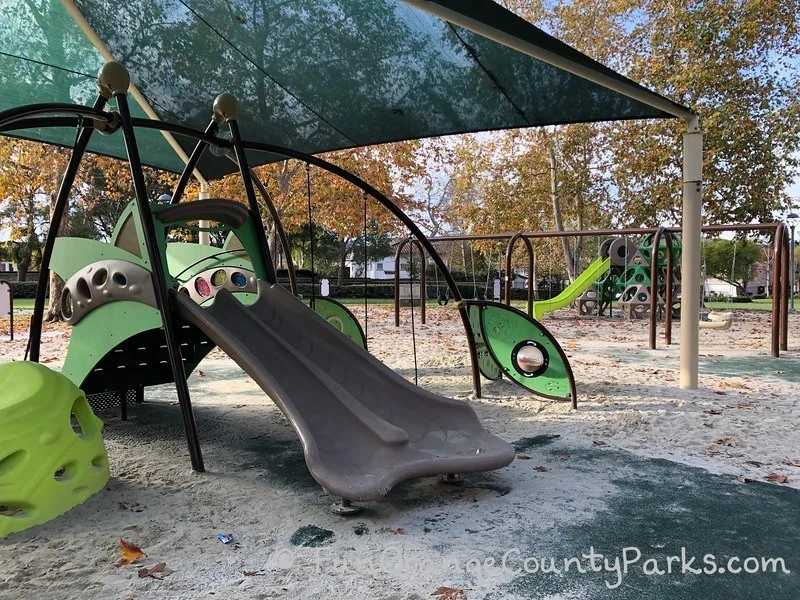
204 237
690 261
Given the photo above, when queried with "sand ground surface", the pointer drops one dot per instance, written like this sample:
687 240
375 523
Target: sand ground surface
741 423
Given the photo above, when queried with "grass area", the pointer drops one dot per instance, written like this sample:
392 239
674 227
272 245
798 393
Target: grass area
760 304
24 303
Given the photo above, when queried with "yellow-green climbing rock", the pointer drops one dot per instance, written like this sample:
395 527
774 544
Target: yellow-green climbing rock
52 455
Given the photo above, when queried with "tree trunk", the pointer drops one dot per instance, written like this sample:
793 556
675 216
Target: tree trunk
557 213
343 252
53 313
22 268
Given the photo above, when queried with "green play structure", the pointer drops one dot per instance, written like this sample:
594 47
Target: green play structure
52 456
627 280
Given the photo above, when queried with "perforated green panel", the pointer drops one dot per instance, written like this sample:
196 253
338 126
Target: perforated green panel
507 331
341 318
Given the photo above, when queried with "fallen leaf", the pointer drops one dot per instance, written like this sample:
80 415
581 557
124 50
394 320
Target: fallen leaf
598 442
719 392
540 468
712 411
201 373
151 572
129 553
563 456
253 573
777 478
523 457
744 405
792 463
753 463
744 479
725 441
398 531
449 593
239 405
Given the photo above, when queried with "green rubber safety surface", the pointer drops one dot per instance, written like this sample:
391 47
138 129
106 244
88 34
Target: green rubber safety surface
526 352
341 318
486 364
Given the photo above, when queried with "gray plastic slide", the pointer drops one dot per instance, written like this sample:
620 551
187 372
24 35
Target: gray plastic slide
363 427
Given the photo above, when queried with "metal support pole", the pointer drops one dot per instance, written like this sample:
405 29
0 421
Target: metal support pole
785 290
204 237
115 79
59 208
793 260
777 288
509 251
668 295
654 287
690 265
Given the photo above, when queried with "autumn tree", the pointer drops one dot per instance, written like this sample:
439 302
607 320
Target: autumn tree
734 61
732 261
29 177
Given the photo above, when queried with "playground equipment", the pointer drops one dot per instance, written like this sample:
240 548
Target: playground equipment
145 311
780 272
52 456
574 291
506 341
629 279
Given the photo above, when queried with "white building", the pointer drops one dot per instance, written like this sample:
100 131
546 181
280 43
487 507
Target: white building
377 269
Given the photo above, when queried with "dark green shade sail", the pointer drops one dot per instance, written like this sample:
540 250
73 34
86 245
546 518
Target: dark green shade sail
313 75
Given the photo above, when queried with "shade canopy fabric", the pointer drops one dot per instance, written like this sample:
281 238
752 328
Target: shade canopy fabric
312 75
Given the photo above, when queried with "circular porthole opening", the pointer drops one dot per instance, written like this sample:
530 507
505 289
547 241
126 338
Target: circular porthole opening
219 277
238 279
67 305
119 278
201 287
100 277
336 322
530 359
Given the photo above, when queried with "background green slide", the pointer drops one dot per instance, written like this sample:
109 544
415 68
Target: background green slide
573 290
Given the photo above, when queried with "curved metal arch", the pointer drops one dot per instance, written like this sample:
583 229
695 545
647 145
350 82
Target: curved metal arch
22 113
654 287
403 217
509 252
423 294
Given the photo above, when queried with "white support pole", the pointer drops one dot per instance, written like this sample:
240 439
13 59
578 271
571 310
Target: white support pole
691 249
204 237
101 47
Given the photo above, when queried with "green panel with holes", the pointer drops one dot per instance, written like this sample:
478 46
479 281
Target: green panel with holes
101 330
486 363
341 318
526 351
52 456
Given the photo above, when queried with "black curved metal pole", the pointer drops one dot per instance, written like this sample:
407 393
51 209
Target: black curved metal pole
21 113
423 296
262 189
159 284
191 164
402 217
59 208
247 180
509 251
37 122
